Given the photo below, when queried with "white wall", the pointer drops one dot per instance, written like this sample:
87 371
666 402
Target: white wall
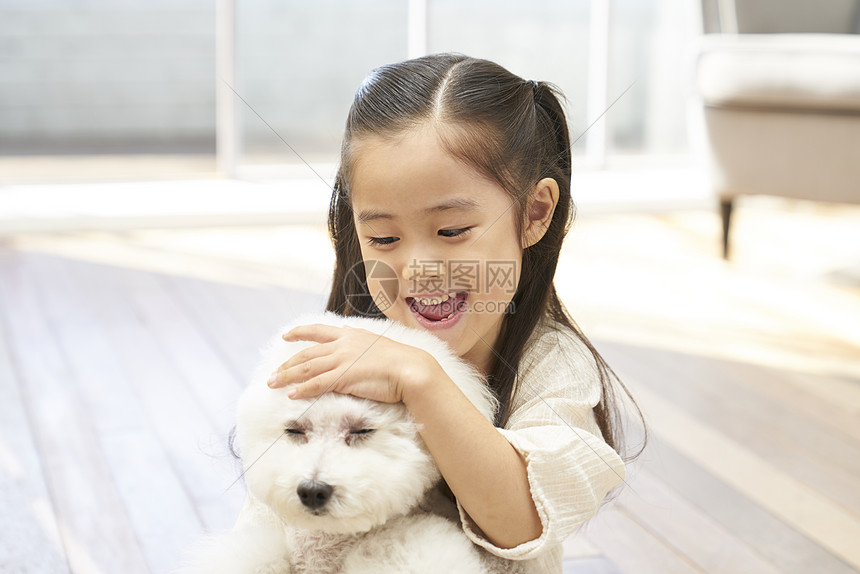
103 74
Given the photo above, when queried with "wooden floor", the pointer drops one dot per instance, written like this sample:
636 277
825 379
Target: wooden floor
121 356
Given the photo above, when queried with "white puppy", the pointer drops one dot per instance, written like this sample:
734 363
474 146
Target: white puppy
339 484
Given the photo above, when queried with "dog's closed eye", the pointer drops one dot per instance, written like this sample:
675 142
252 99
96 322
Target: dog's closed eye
296 431
358 435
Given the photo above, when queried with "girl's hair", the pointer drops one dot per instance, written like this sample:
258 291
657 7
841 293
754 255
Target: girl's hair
511 131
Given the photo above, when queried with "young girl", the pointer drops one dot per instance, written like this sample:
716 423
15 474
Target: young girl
455 178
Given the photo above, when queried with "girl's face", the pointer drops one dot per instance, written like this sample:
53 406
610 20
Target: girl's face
448 234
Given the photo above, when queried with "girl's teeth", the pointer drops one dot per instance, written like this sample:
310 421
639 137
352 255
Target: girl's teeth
435 300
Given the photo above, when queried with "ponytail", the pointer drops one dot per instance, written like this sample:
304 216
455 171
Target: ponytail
550 119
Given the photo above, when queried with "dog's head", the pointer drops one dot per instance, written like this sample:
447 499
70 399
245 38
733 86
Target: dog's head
336 464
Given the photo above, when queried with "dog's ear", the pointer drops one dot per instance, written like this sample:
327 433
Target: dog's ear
231 443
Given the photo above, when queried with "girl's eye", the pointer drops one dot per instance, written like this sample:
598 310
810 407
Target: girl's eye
382 240
454 232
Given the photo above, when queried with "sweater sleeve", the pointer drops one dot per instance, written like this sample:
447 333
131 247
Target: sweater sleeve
569 465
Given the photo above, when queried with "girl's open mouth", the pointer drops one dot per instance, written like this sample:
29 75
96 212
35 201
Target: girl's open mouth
438 312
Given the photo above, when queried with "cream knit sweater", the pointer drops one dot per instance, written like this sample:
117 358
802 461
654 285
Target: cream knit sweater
570 467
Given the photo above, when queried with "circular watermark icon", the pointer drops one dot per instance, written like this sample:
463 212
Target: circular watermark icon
371 283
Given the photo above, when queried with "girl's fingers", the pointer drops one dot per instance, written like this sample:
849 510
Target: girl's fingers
314 387
338 363
315 332
302 372
307 354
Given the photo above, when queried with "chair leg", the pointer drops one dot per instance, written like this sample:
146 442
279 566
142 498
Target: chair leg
726 215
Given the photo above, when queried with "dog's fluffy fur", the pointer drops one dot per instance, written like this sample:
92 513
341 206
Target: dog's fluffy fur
383 513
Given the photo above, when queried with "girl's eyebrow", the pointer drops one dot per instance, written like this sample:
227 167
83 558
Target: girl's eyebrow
465 203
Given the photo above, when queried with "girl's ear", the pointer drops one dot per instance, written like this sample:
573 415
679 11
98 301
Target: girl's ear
541 205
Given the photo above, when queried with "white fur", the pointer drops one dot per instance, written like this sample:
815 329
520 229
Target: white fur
384 514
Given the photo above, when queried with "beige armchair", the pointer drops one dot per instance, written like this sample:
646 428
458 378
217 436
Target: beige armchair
780 84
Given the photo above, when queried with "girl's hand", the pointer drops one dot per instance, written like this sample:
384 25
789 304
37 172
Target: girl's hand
354 362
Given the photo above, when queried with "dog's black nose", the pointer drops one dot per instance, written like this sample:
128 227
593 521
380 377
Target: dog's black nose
314 494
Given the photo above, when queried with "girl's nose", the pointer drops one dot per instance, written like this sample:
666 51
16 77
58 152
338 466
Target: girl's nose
424 275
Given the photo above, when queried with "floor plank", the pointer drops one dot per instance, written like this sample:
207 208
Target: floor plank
688 530
633 548
597 565
778 542
176 425
198 364
29 536
221 330
95 529
817 454
806 509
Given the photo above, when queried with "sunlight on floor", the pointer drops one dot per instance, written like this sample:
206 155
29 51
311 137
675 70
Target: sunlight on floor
785 299
299 257
790 296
